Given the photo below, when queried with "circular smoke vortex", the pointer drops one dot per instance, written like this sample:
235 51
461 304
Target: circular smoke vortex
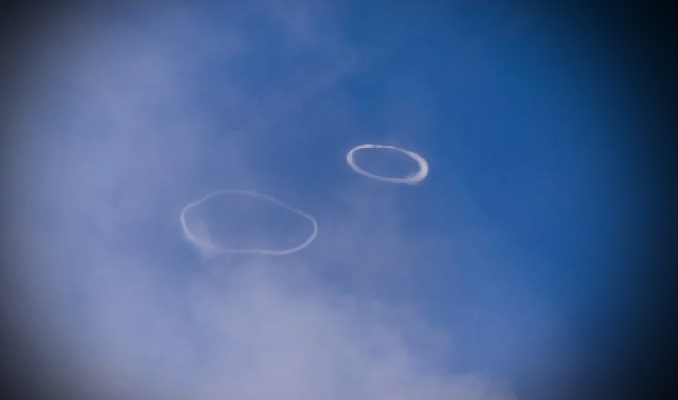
411 179
204 244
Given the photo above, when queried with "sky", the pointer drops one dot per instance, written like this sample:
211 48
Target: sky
503 274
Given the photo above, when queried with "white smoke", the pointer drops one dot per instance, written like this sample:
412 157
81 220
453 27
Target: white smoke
116 143
206 244
409 179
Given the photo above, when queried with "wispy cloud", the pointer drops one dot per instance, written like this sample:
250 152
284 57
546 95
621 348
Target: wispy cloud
114 150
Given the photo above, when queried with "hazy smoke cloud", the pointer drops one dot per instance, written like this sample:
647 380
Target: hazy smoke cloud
128 121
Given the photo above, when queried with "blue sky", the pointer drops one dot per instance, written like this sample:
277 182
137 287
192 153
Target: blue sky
499 261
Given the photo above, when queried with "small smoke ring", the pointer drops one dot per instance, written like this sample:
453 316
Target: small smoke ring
203 245
409 179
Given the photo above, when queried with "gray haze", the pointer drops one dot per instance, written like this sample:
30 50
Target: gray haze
115 139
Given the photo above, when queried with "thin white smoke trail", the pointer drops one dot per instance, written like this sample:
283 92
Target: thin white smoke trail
202 241
409 179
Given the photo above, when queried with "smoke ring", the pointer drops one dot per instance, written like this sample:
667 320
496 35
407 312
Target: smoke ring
409 179
218 249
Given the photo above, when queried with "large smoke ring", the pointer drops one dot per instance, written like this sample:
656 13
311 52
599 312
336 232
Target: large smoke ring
204 245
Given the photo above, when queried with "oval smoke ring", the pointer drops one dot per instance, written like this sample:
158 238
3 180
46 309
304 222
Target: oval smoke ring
207 246
409 179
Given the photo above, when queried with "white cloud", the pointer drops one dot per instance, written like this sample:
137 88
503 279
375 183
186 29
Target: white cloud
111 156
